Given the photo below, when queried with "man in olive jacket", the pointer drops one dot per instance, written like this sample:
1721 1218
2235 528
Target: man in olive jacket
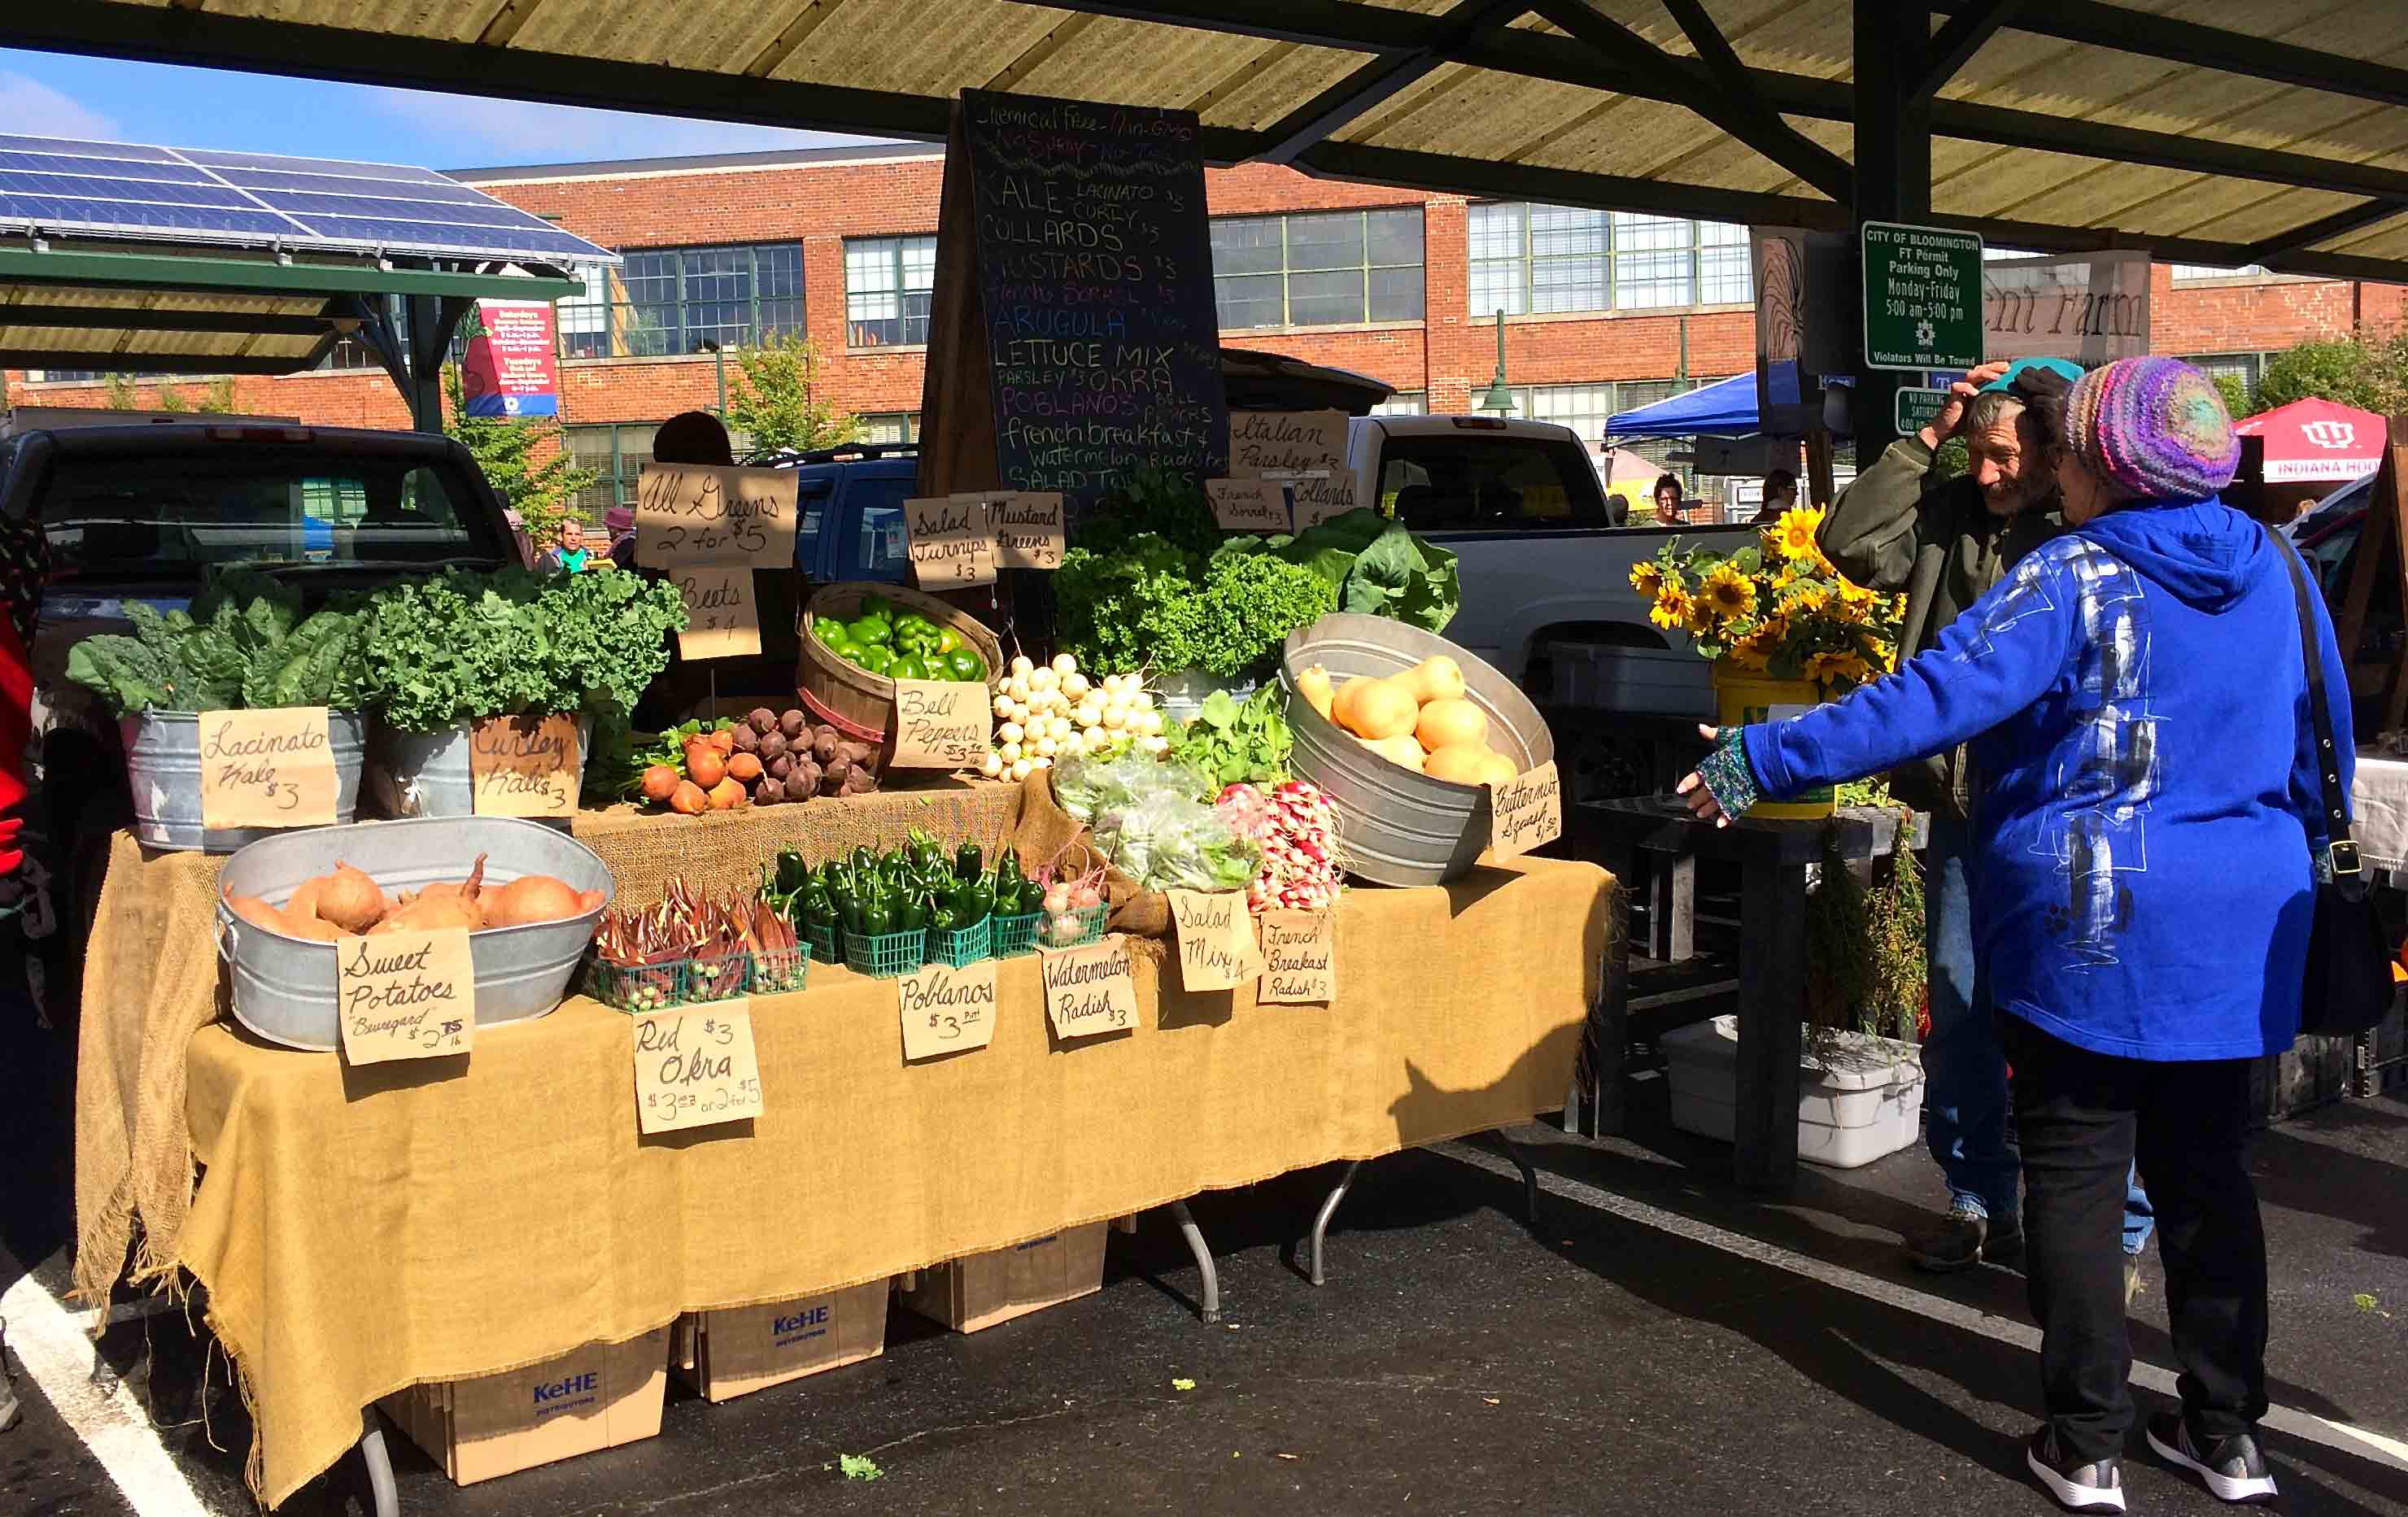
1945 542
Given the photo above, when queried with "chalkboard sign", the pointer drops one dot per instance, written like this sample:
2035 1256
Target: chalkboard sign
1094 284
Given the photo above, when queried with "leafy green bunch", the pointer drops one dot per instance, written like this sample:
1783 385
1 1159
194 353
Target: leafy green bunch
1376 566
244 643
462 645
1154 603
1230 740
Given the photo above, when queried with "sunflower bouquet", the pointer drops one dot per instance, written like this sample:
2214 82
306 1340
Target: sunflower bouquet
1776 606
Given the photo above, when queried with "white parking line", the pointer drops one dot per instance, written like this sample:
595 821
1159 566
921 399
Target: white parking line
50 1343
2374 1447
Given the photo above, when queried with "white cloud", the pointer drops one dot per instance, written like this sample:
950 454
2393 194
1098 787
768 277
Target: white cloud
480 131
33 107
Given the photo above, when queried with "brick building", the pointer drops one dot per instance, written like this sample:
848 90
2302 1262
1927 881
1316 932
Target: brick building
1604 310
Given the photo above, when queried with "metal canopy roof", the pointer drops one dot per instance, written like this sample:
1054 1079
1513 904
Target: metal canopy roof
2210 131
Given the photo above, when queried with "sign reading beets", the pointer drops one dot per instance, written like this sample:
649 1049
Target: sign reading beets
1094 272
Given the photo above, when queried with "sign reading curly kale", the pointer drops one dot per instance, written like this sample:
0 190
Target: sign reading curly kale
1096 279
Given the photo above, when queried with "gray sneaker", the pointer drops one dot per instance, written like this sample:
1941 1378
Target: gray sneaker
2094 1486
1963 1238
2233 1469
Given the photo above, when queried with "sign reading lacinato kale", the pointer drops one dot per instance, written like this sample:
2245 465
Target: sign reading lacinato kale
1096 281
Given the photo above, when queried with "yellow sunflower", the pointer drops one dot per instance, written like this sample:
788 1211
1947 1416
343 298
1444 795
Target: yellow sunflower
1753 652
1809 599
1647 579
1727 592
1672 608
1796 531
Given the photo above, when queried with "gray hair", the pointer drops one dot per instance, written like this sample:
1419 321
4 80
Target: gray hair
1999 408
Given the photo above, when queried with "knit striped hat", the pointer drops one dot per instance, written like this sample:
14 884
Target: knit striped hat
2154 429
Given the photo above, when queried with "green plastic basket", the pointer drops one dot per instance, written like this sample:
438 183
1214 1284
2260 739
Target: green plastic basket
782 971
636 988
888 955
1013 937
823 945
720 978
961 946
1091 923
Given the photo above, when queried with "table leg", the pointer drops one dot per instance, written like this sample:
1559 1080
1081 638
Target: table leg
1329 1210
1529 1177
1194 1236
1594 1108
1673 907
1771 1005
372 1453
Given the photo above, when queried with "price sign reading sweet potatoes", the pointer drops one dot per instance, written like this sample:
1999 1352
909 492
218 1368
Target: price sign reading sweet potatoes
267 768
1299 959
1216 940
406 995
1249 504
694 1068
693 513
945 1010
721 619
1090 990
941 724
524 765
953 541
1029 529
1527 813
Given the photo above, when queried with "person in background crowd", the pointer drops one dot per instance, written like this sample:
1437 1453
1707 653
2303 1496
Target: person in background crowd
2148 846
1668 500
1945 542
569 555
24 564
619 523
692 438
1780 494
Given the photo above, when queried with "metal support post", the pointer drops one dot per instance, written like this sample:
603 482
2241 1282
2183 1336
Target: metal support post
1321 1218
1210 1304
372 1453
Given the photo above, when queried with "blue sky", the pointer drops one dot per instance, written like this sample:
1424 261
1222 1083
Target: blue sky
50 95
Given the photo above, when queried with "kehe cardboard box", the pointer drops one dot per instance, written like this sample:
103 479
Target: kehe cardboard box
987 1288
725 1354
599 1397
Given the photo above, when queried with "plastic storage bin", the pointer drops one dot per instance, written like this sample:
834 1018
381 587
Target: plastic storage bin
1865 1103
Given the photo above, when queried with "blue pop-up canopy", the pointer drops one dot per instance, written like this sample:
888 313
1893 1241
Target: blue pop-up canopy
1725 409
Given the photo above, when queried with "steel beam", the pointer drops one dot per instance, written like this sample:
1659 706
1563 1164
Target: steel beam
260 276
1954 44
1360 164
113 318
1382 78
2326 228
154 363
2175 40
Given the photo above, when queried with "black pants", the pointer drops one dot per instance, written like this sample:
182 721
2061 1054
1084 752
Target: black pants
2083 1118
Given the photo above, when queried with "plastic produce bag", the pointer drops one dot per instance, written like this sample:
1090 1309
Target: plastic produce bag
1171 841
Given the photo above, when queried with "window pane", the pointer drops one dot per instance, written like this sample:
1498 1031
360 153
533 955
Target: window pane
1395 237
1499 286
1566 231
1324 242
650 278
886 285
1249 301
1404 403
1396 294
1330 299
1643 281
1566 284
1246 245
1723 276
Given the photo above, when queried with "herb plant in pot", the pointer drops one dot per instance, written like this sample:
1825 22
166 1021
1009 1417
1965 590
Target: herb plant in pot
243 645
447 653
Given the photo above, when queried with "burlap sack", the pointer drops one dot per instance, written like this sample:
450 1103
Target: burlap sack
1045 833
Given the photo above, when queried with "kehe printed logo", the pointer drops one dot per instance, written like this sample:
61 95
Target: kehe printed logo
799 1326
556 1396
2334 435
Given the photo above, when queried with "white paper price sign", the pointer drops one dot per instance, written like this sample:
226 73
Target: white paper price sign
267 768
693 513
1249 504
945 1010
524 765
694 1068
406 995
721 619
1030 529
1090 990
1216 940
941 724
1299 959
1527 813
953 541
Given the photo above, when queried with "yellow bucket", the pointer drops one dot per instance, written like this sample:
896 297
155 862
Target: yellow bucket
1744 698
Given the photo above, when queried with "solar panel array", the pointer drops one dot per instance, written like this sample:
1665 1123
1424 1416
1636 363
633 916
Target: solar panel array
189 194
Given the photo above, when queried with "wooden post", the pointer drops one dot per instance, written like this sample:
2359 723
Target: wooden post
957 450
1820 487
2381 547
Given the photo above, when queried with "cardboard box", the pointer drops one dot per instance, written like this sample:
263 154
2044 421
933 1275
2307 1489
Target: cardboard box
725 1354
599 1397
987 1288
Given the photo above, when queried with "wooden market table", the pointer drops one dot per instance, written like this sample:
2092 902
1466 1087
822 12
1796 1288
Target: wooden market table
1770 975
361 1230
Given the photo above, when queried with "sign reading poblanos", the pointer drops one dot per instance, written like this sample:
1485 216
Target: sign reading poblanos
1923 297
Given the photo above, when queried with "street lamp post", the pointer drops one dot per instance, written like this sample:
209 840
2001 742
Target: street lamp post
719 366
1498 397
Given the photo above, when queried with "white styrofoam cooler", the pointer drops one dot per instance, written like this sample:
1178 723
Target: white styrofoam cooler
1863 1101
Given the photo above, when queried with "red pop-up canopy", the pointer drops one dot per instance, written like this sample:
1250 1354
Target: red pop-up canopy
2317 440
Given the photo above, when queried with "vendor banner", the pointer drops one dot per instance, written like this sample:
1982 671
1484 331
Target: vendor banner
511 365
2090 308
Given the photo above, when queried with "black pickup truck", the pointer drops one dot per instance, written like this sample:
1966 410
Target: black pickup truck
140 512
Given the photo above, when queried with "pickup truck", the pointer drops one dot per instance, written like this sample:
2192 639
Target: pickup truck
1546 583
138 512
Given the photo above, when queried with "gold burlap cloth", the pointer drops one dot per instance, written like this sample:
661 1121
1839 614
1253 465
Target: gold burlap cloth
363 1230
152 980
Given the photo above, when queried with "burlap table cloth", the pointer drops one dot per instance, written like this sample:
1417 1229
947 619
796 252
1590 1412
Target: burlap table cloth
360 1231
152 980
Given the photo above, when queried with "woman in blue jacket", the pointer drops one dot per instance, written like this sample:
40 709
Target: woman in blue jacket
2147 837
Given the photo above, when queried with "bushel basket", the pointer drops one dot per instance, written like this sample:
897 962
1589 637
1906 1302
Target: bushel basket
854 700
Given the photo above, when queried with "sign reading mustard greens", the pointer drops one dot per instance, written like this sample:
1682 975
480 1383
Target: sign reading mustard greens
524 765
1528 812
692 513
696 1067
1030 530
1299 959
1090 990
941 724
945 1010
406 995
1216 940
721 619
267 768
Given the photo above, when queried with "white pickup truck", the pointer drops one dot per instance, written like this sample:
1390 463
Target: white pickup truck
1546 583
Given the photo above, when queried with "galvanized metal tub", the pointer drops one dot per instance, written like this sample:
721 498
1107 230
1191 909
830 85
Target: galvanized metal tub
283 988
414 775
1397 827
1182 695
162 770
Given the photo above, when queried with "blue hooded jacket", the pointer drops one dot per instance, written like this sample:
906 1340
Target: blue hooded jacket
2138 709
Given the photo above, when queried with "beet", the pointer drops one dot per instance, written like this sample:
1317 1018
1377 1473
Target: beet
792 725
770 745
745 739
768 791
804 781
835 769
823 746
858 782
781 766
762 719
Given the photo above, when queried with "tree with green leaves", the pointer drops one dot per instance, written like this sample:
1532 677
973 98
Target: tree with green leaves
775 397
2368 370
541 489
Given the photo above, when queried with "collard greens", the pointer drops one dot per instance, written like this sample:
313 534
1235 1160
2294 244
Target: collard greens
244 643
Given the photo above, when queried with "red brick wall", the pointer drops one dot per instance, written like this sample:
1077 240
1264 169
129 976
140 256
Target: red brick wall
1450 355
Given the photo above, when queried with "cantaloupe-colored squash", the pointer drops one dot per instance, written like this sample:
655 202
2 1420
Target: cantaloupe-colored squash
1461 765
1382 709
1314 686
1438 677
1450 722
1403 751
1497 769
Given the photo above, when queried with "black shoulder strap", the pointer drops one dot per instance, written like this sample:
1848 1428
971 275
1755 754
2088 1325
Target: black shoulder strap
2341 849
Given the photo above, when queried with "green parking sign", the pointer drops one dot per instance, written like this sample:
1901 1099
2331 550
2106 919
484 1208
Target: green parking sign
1912 410
1923 297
